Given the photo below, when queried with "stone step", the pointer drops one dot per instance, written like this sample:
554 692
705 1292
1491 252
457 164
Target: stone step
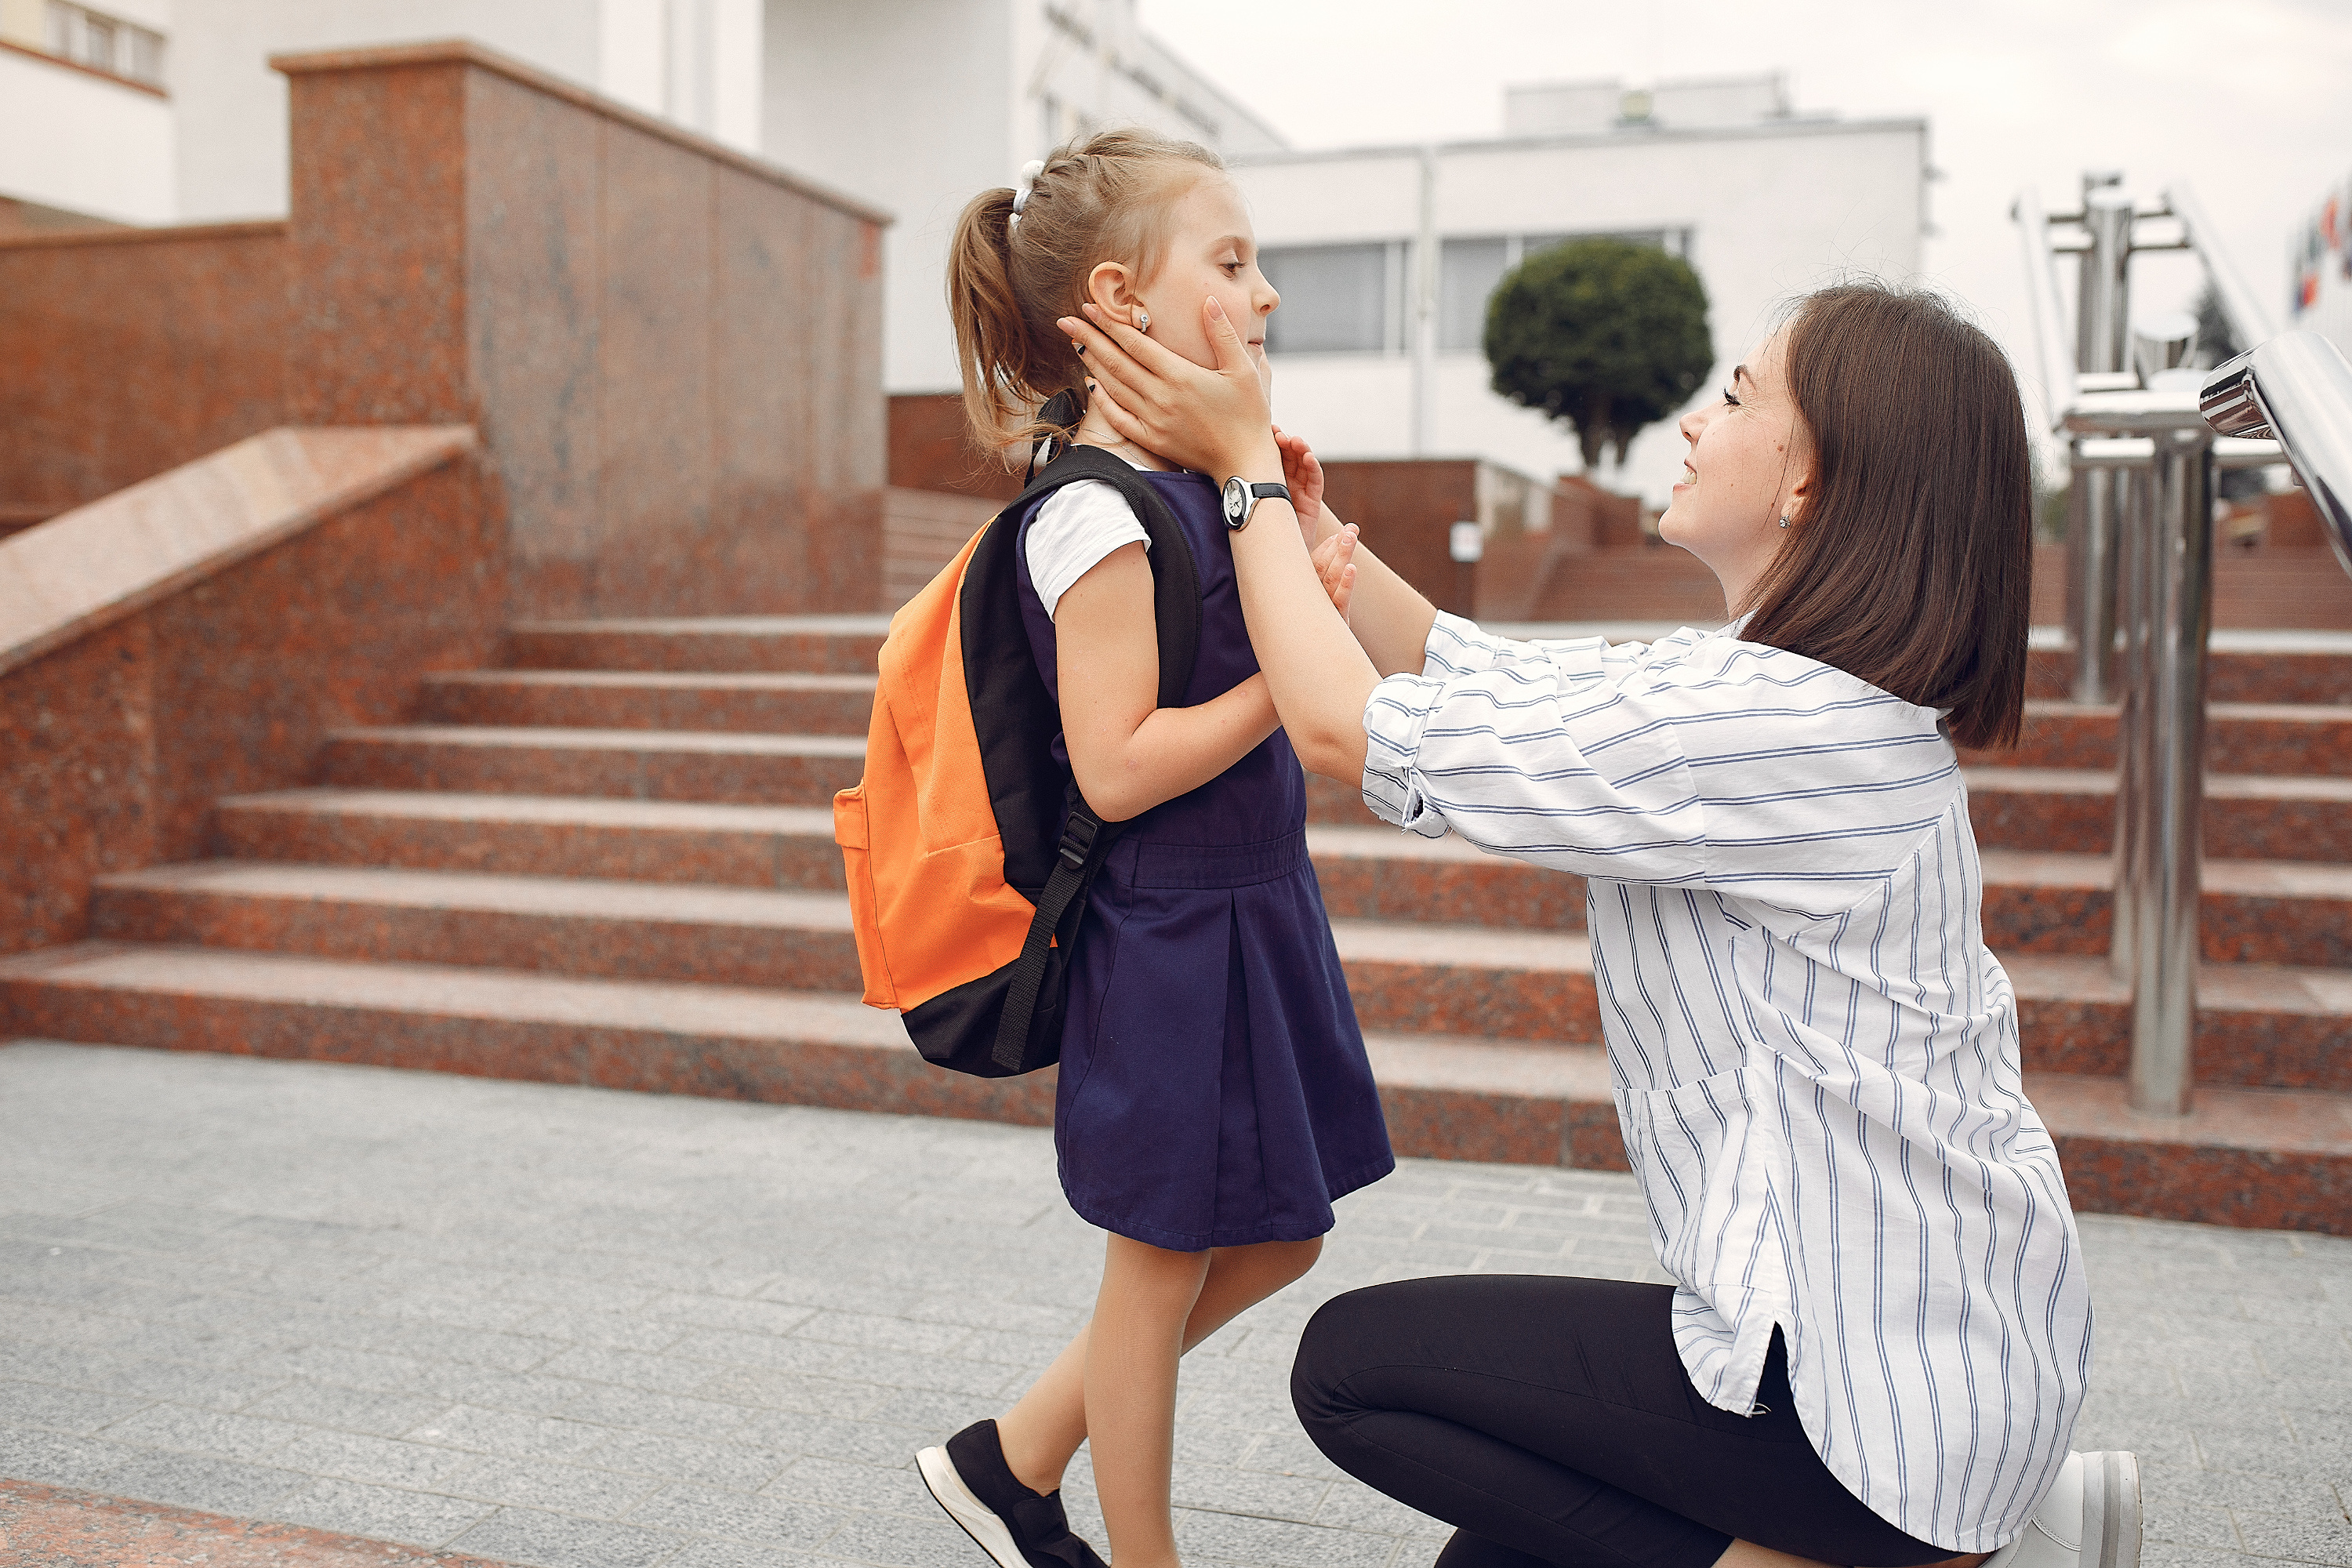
2253 911
651 699
640 765
2247 816
2243 666
837 645
2245 1157
578 926
2283 738
536 835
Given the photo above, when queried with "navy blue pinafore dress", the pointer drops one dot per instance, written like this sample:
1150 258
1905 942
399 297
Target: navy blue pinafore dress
1214 1091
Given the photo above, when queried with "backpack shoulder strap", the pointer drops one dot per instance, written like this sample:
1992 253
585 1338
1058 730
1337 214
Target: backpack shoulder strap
1175 575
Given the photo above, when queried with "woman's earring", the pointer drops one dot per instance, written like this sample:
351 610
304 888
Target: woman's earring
1784 522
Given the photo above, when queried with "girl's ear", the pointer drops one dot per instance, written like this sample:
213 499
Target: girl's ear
1111 288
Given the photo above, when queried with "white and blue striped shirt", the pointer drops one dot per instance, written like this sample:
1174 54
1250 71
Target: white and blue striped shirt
1815 1056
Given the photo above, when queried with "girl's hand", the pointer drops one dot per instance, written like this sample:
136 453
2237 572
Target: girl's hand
1213 421
1335 566
1302 472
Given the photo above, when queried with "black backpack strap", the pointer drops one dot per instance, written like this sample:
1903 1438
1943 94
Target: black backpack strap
1087 840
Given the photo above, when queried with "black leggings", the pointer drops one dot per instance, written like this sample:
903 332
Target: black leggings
1551 1422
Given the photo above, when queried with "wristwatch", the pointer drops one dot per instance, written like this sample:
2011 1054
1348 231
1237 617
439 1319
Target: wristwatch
1240 499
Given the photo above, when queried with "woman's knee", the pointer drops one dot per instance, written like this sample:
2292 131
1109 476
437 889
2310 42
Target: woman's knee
1346 1334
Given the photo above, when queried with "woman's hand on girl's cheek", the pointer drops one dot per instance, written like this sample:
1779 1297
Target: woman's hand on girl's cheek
1214 420
1335 567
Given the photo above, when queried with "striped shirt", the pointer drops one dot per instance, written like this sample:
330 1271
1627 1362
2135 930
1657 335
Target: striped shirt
1814 1055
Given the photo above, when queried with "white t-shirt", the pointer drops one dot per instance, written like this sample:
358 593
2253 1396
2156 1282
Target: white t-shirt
1079 525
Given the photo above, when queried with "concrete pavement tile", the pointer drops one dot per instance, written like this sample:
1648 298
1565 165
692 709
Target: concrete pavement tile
908 1369
1270 1543
1290 1454
379 1461
352 1409
611 1405
704 1552
557 1541
755 1348
485 1314
544 1484
58 1459
602 1330
1220 1489
865 1329
191 1480
2224 1449
2236 1489
939 1415
382 1513
888 1486
761 1389
626 1369
1014 1349
751 1316
2298 1539
898 1540
764 1521
2189 1524
448 1343
737 1466
1419 1551
1010 1317
68 1409
828 1437
1352 1505
507 1432
192 1430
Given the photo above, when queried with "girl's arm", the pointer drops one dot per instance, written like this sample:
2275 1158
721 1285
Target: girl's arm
1388 616
1216 422
1128 752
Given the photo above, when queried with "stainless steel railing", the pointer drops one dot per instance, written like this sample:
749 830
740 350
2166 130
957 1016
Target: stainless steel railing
2140 535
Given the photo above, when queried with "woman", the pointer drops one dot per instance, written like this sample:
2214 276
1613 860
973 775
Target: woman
1880 1334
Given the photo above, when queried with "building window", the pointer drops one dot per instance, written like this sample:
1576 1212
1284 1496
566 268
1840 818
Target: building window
1468 270
105 43
1337 298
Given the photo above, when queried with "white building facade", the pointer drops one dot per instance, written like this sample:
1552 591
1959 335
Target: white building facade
1386 256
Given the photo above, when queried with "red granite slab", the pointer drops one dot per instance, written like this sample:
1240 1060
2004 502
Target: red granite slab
2257 1025
644 841
797 942
56 1526
1386 875
2240 738
601 699
780 644
755 770
2277 674
2246 818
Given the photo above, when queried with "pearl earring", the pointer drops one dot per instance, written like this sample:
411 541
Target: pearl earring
1784 522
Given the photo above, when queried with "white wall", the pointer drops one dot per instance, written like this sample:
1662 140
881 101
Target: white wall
71 140
693 62
1772 214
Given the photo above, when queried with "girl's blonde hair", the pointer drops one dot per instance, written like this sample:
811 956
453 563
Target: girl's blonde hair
1105 198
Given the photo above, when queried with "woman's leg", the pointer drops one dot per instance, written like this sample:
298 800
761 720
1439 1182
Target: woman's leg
1043 1430
1553 1419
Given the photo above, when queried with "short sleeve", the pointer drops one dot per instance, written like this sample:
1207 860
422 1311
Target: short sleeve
1077 526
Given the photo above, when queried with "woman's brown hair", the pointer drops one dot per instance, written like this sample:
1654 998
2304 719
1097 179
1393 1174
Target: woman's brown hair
1911 562
1105 198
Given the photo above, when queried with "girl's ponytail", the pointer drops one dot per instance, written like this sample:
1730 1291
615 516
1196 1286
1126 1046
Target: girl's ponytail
1099 200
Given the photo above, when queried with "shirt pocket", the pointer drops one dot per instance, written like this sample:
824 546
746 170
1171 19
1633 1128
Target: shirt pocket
1701 1159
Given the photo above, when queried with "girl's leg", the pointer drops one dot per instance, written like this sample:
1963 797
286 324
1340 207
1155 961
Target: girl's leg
1133 1346
1552 1419
1043 1430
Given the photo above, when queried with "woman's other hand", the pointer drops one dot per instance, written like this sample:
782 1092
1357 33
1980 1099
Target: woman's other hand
1335 566
1214 420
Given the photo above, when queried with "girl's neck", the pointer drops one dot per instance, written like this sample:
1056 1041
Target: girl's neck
1095 431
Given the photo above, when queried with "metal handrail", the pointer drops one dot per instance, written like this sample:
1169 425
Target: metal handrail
2249 323
2047 310
2296 388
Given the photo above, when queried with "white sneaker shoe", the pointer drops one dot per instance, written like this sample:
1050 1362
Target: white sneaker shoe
2088 1519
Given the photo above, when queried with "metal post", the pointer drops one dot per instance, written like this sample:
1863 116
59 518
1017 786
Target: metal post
2165 882
2101 319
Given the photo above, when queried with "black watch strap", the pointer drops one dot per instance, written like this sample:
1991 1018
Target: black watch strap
1256 494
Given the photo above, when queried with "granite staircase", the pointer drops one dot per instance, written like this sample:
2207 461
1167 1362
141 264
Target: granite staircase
610 862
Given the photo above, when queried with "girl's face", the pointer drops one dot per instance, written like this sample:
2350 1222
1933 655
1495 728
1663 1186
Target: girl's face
1210 250
1749 465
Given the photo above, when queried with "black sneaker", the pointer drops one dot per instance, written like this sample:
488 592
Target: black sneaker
1016 1527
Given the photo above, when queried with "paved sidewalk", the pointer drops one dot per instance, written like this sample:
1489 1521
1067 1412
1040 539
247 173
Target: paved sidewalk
562 1326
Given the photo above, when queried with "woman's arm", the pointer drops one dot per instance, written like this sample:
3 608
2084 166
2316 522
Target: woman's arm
1128 752
1388 615
1320 676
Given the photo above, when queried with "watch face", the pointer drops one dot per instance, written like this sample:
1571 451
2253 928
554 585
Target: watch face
1237 502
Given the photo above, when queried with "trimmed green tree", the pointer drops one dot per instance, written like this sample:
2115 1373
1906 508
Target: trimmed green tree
1605 335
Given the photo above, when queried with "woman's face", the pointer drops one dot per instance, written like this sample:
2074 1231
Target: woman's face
1212 250
1749 465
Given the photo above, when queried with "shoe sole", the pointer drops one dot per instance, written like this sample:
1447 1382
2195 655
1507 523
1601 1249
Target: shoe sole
976 1518
2111 1522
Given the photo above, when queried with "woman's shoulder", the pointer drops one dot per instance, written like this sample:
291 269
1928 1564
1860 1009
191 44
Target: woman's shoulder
1726 666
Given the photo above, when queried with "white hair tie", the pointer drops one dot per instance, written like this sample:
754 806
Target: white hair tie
1026 182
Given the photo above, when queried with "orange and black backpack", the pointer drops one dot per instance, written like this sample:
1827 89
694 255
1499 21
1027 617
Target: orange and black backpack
968 848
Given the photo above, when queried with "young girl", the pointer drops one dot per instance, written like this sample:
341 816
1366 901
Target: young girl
1879 1337
1215 1095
